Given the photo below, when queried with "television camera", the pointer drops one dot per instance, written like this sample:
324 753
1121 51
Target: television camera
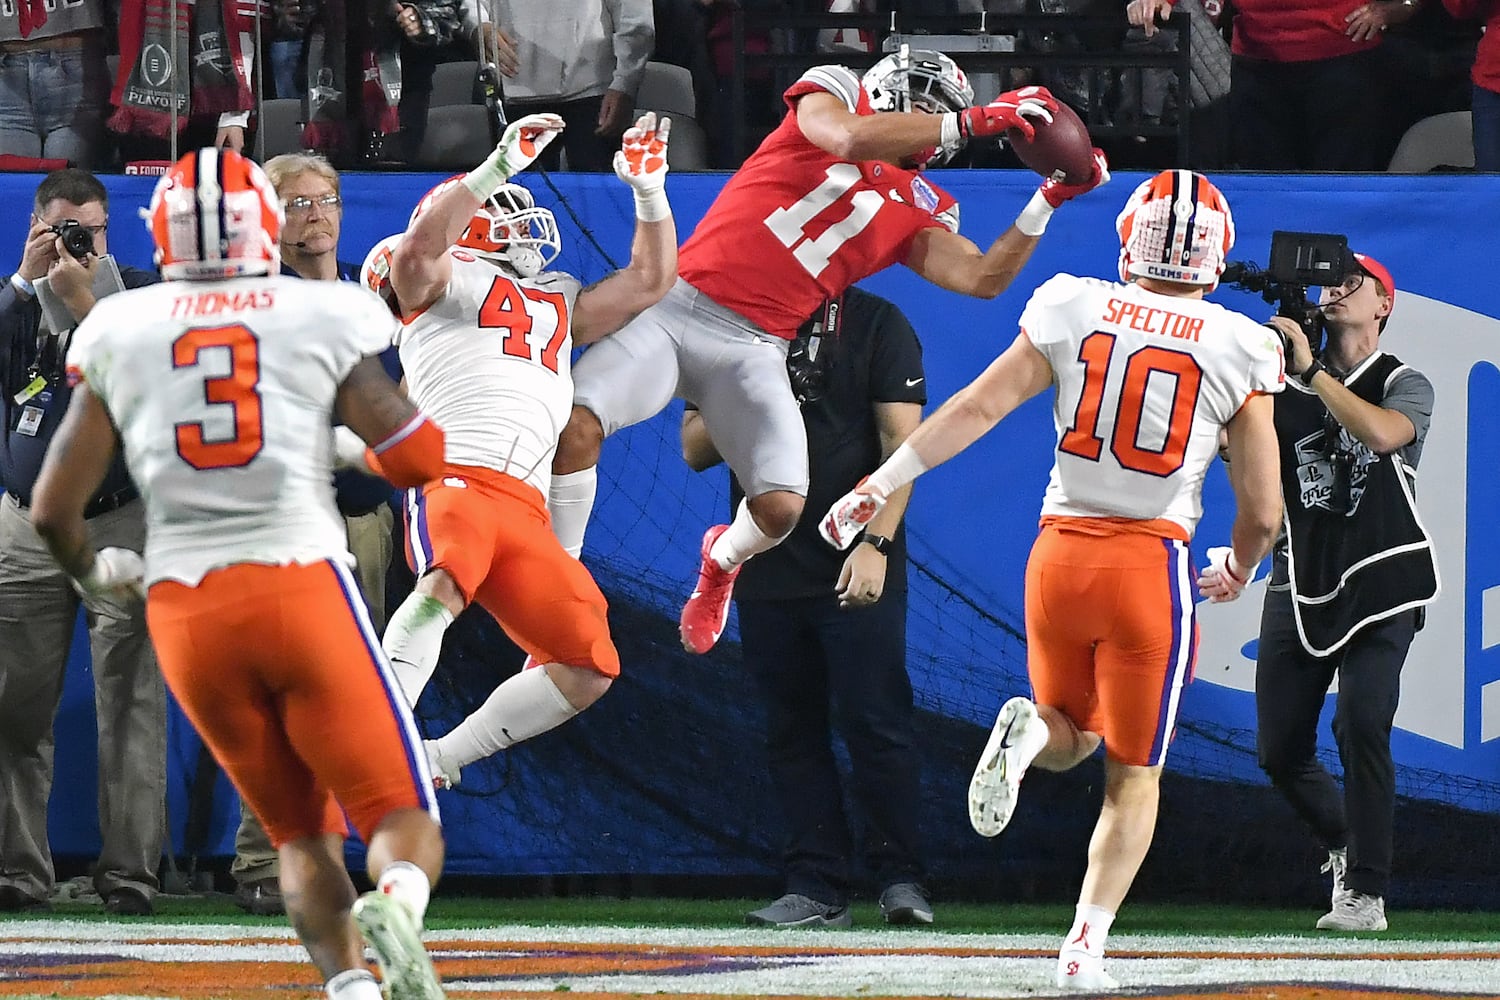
1298 260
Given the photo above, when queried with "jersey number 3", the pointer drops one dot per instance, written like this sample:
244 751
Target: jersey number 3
1082 438
504 308
239 390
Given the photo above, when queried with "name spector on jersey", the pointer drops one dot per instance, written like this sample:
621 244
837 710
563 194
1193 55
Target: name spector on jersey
491 363
1144 382
222 392
795 225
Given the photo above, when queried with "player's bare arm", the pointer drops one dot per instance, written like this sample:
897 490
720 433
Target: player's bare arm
1255 476
605 306
861 580
1017 375
420 266
404 446
76 464
893 136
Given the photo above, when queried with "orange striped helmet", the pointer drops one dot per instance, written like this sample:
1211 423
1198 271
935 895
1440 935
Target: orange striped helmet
1176 227
215 215
375 272
508 228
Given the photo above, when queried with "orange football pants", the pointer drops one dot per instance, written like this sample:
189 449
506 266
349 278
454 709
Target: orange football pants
279 670
1111 633
492 534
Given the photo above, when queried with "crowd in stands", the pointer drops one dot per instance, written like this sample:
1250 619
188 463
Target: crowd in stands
1277 84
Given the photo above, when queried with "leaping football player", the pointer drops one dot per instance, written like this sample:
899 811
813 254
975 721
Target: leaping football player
485 341
833 195
1148 376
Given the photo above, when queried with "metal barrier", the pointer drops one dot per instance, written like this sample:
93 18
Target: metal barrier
981 48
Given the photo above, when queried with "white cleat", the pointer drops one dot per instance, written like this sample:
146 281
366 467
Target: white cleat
393 935
1077 970
997 778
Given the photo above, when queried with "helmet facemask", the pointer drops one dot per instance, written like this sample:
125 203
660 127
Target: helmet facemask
525 236
920 80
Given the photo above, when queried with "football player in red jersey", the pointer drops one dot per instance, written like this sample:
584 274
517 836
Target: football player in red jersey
833 195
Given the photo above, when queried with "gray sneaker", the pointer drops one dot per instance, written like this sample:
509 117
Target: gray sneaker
797 910
1358 911
905 903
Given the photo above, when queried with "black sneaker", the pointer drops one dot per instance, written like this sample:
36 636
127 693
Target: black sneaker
13 899
128 901
797 910
905 903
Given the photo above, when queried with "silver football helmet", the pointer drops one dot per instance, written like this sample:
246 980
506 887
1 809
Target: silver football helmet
919 80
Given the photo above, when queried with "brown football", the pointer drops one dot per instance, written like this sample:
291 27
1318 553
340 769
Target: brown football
1063 145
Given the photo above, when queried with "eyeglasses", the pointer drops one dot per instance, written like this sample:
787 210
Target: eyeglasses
95 230
302 205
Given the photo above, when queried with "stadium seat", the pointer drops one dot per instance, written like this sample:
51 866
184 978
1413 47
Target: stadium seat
1439 141
454 83
458 136
280 127
668 90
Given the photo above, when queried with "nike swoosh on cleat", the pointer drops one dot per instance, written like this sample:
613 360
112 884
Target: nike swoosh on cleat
1005 736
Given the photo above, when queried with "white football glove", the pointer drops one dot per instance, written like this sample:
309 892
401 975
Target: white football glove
1224 579
115 571
642 163
849 515
518 148
349 450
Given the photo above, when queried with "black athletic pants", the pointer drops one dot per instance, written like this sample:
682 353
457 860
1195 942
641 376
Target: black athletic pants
1290 687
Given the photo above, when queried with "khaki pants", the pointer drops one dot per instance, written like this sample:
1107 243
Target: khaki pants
370 542
38 608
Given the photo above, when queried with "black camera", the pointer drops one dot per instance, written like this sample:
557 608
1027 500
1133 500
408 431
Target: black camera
77 238
1298 260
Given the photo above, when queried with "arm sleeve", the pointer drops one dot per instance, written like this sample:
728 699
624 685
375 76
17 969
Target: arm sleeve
840 81
1410 393
634 40
896 372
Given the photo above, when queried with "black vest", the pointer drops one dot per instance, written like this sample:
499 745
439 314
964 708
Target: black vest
1357 552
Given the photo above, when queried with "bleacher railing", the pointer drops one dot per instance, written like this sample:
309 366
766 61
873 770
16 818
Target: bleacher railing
1000 44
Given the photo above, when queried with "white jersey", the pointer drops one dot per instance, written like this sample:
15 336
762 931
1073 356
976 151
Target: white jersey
223 394
491 363
1144 384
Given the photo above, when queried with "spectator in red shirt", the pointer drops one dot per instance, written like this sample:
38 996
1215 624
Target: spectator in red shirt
1306 80
1486 75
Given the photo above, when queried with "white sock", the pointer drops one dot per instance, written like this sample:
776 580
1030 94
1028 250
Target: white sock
1035 739
527 704
571 501
408 885
742 540
1090 930
354 984
413 640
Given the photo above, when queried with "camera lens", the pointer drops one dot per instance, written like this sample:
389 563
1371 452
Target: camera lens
76 238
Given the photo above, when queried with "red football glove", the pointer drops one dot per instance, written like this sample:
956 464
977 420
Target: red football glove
1008 111
1056 191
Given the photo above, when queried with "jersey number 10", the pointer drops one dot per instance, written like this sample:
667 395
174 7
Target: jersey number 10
1082 438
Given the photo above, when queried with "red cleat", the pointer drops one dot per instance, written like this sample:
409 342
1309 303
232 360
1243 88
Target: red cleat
707 610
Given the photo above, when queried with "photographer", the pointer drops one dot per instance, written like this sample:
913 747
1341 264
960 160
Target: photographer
65 251
1349 579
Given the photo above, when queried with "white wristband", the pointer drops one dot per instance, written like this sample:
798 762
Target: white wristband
652 206
1034 217
950 135
22 285
902 467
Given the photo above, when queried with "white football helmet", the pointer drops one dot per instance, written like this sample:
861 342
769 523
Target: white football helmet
1176 227
508 228
375 272
215 215
919 80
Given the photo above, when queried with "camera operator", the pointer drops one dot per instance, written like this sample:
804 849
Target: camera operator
1349 579
38 605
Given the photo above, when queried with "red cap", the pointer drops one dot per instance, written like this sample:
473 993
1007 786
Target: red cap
1377 270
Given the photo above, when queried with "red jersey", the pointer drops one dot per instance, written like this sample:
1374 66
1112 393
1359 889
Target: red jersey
796 226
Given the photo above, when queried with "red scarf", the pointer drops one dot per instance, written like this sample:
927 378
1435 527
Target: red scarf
214 38
334 36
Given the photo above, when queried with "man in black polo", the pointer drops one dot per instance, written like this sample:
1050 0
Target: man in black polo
1348 583
826 630
38 606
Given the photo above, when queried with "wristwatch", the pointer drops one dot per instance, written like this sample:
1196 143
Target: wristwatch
1305 376
879 543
